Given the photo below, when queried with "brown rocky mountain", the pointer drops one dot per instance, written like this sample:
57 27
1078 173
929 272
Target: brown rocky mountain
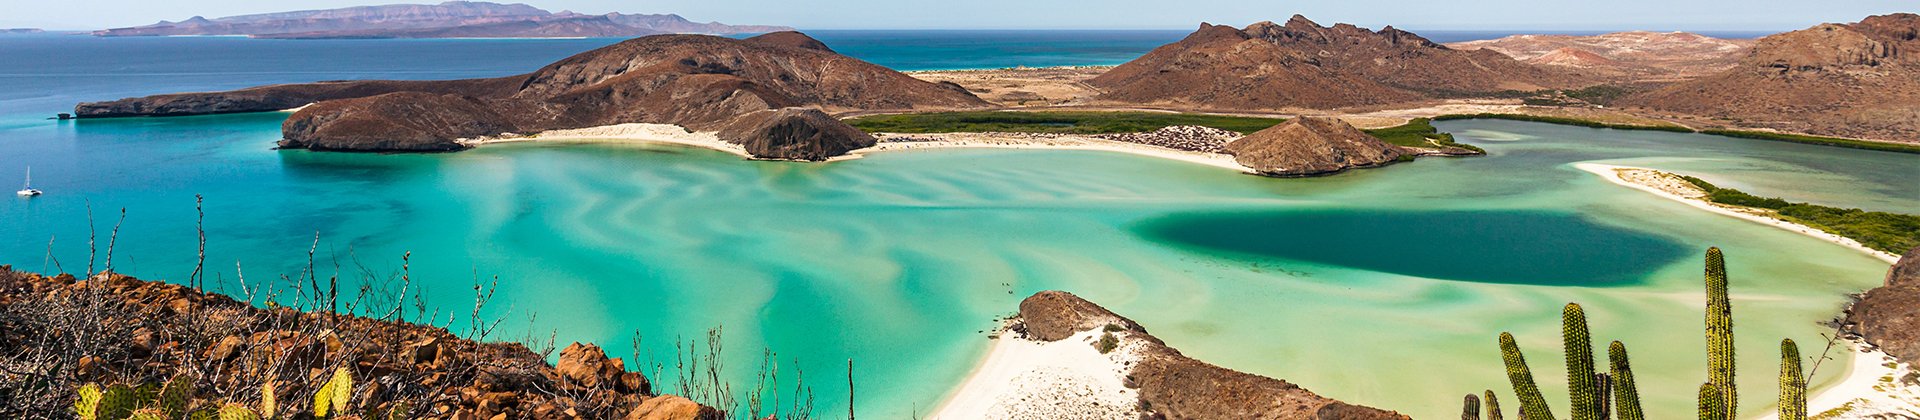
1174 386
453 19
1308 146
1303 64
1637 55
701 82
1849 80
1889 316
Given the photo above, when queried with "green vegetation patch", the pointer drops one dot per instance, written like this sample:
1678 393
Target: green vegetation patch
1828 141
1419 133
1745 134
1563 121
1890 232
1062 122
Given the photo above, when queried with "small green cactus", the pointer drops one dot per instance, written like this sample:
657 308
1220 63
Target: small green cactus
88 402
1579 356
1533 406
205 412
237 412
332 397
146 394
1626 398
268 407
1793 383
149 414
174 397
117 402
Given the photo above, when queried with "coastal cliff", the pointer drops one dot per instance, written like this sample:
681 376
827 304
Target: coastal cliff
1303 64
112 328
1309 146
1153 379
701 82
1889 316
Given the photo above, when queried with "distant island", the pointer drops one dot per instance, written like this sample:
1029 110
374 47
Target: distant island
453 19
21 31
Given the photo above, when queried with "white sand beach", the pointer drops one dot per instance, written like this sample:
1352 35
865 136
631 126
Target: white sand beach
1669 186
1875 388
1029 379
906 142
636 132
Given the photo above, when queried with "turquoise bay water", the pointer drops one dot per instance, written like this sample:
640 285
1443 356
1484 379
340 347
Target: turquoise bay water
1383 287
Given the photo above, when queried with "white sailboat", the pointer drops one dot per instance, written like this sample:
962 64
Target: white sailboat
28 191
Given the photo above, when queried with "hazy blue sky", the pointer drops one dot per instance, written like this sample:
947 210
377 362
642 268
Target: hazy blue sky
1412 14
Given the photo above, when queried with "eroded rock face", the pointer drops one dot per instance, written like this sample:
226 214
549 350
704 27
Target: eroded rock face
1302 64
403 121
1310 146
1174 386
701 82
794 134
1889 316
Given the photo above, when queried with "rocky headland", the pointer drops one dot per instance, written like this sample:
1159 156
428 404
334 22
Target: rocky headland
1268 66
1857 80
739 87
59 332
1309 146
1113 368
453 19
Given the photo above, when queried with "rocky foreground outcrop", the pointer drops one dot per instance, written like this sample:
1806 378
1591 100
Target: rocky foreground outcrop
1308 146
59 332
705 83
1889 316
1174 386
1302 64
1848 80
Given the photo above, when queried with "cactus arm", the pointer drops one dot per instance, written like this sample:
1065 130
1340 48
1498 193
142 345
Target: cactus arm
1793 383
1533 406
1470 409
1720 361
1712 405
1493 406
1626 398
1579 354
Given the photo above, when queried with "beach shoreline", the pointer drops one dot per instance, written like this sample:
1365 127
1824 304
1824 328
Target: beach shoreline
1021 378
1618 175
889 143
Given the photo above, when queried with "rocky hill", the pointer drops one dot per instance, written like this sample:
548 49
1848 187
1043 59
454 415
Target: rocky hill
701 82
1636 55
1303 64
1889 316
453 19
1848 80
114 329
1308 146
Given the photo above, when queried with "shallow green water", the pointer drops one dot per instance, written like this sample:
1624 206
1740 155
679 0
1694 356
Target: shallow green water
1384 287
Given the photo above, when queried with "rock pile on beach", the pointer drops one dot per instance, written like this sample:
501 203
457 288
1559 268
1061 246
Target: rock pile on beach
1180 137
